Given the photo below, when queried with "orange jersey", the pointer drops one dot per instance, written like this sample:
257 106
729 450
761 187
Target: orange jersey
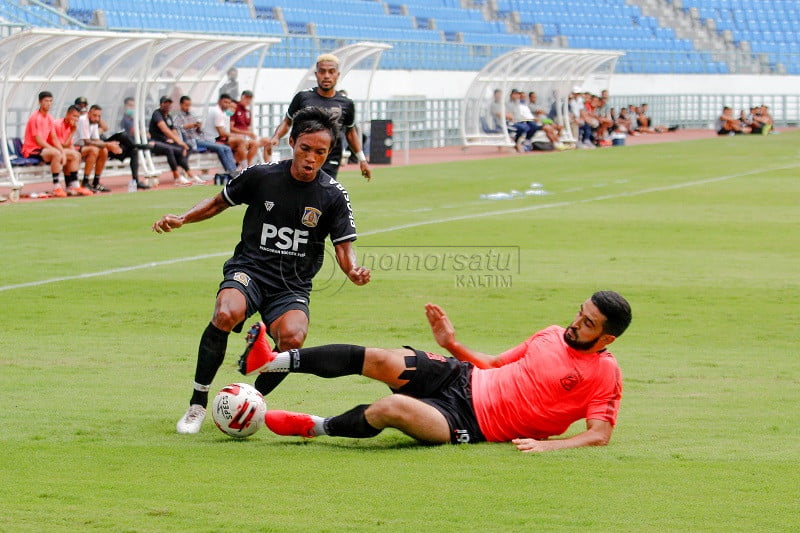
38 124
543 387
64 132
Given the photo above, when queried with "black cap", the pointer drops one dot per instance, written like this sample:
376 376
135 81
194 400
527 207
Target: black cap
165 99
81 100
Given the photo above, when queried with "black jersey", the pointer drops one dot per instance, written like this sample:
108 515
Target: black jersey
342 108
155 133
287 221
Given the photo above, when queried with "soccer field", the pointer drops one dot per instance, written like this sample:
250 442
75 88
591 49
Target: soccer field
101 319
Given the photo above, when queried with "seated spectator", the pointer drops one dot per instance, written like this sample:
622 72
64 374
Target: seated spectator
497 117
40 141
758 121
231 85
128 120
192 131
217 126
645 124
241 125
523 121
550 128
166 141
623 122
82 104
532 102
633 116
590 123
94 150
65 129
727 124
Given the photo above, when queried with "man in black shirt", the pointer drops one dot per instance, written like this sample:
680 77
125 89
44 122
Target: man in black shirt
343 110
293 207
166 141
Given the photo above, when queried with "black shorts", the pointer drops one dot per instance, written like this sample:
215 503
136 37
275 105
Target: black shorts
445 384
260 297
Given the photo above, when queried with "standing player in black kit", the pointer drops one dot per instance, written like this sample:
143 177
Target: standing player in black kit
341 107
292 207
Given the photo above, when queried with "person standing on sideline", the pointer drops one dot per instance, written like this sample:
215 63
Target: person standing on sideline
293 206
344 112
231 85
525 395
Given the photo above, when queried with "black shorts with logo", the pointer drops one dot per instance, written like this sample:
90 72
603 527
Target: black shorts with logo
261 296
445 384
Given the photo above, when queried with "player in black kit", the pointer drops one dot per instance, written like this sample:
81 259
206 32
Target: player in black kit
344 112
293 207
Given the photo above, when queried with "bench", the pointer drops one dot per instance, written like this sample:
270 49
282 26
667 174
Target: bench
30 171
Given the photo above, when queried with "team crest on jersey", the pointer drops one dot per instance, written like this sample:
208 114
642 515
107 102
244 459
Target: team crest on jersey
269 205
311 217
242 278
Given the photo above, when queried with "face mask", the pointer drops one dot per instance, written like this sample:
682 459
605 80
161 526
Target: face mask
130 112
229 112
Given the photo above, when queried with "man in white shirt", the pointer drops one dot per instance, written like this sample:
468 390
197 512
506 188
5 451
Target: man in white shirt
217 127
94 150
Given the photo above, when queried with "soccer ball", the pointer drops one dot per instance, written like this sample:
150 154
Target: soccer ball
238 410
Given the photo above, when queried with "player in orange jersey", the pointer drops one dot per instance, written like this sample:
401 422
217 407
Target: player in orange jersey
524 395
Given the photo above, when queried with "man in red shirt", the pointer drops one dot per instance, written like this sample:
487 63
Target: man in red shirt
40 140
524 395
65 129
241 125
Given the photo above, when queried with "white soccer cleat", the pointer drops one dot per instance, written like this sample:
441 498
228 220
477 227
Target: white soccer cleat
191 421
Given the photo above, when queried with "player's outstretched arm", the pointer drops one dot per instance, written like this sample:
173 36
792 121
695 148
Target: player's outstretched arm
205 209
598 433
445 335
354 140
282 129
346 257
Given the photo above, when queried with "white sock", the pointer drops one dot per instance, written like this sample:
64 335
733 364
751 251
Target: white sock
319 425
281 363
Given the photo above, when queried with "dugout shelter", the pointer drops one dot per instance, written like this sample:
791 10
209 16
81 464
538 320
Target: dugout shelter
551 73
107 67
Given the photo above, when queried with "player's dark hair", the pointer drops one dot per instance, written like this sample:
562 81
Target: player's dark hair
95 106
616 309
73 107
223 96
45 94
184 98
128 99
313 119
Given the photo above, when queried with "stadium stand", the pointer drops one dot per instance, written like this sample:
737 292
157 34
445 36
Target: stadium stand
658 36
769 27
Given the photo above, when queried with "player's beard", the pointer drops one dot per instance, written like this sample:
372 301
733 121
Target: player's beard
575 344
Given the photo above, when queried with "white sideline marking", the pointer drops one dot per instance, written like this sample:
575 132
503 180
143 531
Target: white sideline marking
536 207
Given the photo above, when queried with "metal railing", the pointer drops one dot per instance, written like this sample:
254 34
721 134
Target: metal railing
429 123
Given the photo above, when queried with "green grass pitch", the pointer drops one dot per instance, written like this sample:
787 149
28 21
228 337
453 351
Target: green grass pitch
101 320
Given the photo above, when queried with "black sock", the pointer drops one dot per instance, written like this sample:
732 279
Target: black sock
266 382
210 355
96 180
351 424
55 179
73 177
330 361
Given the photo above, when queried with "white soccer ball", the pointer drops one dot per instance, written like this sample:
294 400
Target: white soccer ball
238 410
